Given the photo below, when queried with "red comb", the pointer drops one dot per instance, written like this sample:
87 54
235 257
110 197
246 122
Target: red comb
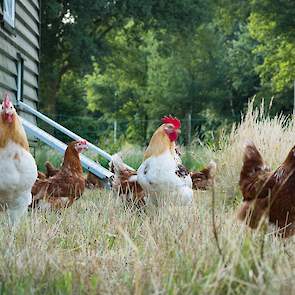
6 101
83 141
170 120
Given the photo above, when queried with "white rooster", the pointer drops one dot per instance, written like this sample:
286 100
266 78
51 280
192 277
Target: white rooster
162 171
18 170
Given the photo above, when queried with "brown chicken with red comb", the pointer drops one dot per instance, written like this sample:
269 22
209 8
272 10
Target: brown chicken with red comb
266 193
62 189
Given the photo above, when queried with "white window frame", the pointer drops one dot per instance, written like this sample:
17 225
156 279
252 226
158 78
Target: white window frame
20 77
9 12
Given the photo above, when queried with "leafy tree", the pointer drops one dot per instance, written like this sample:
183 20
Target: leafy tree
133 61
73 32
277 69
118 90
239 79
184 77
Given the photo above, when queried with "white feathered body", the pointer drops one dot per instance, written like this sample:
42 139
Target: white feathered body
18 173
164 174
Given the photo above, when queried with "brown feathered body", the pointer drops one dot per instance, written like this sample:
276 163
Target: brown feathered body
62 189
125 182
203 179
93 182
282 207
268 193
50 169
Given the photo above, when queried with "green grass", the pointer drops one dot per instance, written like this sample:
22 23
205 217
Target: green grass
100 246
44 153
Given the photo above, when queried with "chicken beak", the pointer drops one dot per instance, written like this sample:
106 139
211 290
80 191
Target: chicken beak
178 131
83 145
9 118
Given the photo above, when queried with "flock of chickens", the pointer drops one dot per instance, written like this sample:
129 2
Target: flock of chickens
266 194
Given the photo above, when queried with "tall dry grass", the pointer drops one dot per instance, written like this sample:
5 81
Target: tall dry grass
274 138
98 246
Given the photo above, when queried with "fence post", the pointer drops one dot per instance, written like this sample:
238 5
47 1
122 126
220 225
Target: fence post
188 120
115 131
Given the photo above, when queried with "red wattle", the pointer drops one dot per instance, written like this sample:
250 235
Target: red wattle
173 136
9 118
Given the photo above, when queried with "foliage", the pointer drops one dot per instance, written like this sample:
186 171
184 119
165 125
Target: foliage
277 69
134 61
116 91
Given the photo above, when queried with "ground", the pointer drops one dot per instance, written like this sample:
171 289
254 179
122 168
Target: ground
100 246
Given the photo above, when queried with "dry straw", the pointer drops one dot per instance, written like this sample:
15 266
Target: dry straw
98 246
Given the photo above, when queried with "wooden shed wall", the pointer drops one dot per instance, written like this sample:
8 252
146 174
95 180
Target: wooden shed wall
24 40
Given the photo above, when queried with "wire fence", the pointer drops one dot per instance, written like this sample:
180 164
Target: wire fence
111 130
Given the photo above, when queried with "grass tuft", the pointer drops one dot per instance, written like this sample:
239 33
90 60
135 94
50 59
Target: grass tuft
100 246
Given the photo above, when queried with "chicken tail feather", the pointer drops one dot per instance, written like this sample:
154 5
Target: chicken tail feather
50 169
252 161
117 165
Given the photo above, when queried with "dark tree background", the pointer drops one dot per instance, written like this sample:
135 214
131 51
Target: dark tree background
131 62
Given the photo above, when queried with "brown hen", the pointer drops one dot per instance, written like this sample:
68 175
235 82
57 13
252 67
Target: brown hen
92 181
61 190
268 193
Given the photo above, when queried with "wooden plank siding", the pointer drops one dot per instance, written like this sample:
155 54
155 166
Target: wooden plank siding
36 3
7 65
7 80
27 18
4 89
23 40
26 34
30 8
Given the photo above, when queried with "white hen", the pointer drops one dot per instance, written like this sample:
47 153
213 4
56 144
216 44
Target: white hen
18 170
162 171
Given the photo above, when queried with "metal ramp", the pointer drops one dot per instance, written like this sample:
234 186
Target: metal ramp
59 146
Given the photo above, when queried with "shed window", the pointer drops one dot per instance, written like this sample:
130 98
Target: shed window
9 12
